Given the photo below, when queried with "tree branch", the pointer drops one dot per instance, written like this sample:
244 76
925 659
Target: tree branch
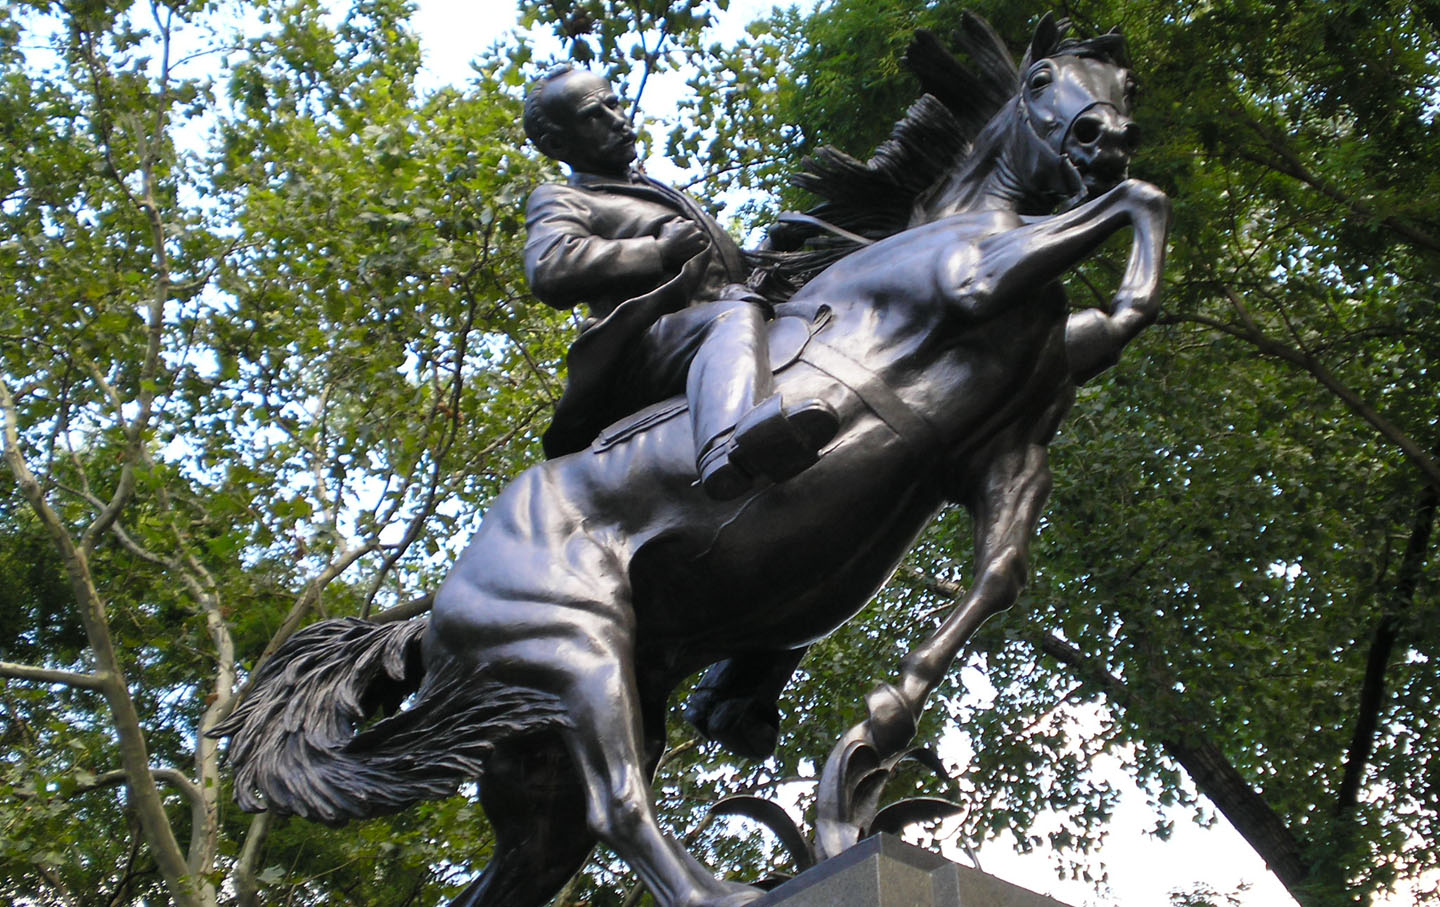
302 606
174 777
1253 334
1382 648
1287 162
47 675
111 680
247 885
413 608
1211 771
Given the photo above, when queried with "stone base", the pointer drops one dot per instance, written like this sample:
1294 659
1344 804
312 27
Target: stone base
883 871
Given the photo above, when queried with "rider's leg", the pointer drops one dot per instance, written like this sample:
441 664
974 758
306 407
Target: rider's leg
719 352
533 798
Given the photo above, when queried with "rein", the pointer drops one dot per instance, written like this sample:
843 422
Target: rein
1059 158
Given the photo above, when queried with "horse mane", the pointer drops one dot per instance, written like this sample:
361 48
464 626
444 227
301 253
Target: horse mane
945 141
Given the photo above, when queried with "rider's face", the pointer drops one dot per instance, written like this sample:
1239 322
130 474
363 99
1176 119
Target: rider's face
592 133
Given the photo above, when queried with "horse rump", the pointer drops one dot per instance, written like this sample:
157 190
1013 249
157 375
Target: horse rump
300 743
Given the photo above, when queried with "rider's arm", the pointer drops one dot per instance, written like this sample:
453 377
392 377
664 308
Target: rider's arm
567 263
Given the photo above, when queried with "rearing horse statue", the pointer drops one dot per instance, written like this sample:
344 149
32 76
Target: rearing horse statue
599 581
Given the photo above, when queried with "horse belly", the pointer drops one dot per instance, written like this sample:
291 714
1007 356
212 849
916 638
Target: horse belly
796 560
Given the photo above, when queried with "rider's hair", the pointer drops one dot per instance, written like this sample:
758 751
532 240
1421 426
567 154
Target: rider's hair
536 121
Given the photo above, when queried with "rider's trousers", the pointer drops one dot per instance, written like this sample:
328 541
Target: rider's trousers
717 353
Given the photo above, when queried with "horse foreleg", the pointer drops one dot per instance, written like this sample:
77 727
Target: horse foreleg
1005 508
1007 267
1005 505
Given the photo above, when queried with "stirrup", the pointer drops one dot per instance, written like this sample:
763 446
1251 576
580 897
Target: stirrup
771 441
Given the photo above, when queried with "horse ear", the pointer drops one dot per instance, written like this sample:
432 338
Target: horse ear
1043 42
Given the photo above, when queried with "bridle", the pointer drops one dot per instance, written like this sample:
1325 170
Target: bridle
1057 156
1058 160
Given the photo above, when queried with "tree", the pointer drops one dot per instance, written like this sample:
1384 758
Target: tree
1237 566
222 297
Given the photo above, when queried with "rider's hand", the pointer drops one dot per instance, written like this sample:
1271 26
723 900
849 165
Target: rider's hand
680 240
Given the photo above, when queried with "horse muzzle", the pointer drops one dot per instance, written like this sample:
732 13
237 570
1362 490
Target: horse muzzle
1099 144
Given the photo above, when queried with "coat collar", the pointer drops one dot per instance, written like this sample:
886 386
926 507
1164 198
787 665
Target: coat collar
635 184
589 180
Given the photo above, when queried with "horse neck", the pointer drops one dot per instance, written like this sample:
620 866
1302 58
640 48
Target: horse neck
1000 173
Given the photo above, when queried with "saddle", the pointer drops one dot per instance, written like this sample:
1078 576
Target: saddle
795 338
789 335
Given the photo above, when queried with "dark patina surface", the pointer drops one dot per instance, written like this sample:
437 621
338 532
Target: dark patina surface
600 580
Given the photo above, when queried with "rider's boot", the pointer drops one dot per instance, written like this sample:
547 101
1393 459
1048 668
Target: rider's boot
747 727
772 441
743 430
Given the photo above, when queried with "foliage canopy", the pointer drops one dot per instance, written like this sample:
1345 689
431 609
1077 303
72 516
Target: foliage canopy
265 352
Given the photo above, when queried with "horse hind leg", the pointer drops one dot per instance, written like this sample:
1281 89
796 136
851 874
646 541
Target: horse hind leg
607 741
536 804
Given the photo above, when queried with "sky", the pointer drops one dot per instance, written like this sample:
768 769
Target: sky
1142 869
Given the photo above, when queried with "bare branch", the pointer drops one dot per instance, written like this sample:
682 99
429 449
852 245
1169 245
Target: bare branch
49 675
1382 649
247 885
413 608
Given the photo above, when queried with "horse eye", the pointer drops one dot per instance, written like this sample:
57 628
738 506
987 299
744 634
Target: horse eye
1040 79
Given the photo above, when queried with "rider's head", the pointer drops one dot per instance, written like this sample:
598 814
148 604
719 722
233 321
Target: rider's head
574 116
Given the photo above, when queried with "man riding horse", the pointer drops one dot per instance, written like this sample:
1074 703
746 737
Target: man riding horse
668 312
598 582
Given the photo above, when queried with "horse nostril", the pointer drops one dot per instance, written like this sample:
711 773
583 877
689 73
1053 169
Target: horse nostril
1087 130
1130 138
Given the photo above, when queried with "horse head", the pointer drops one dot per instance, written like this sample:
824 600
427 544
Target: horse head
1050 133
1074 135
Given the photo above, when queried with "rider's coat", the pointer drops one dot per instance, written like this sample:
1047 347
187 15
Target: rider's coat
593 240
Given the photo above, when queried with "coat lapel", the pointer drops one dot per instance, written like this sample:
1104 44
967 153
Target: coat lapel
647 190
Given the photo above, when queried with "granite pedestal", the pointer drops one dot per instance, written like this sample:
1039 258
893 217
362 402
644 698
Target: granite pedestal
883 871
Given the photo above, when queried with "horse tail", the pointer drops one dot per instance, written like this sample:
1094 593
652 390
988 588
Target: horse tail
300 744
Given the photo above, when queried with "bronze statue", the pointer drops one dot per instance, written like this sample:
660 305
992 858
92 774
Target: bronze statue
668 312
600 580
